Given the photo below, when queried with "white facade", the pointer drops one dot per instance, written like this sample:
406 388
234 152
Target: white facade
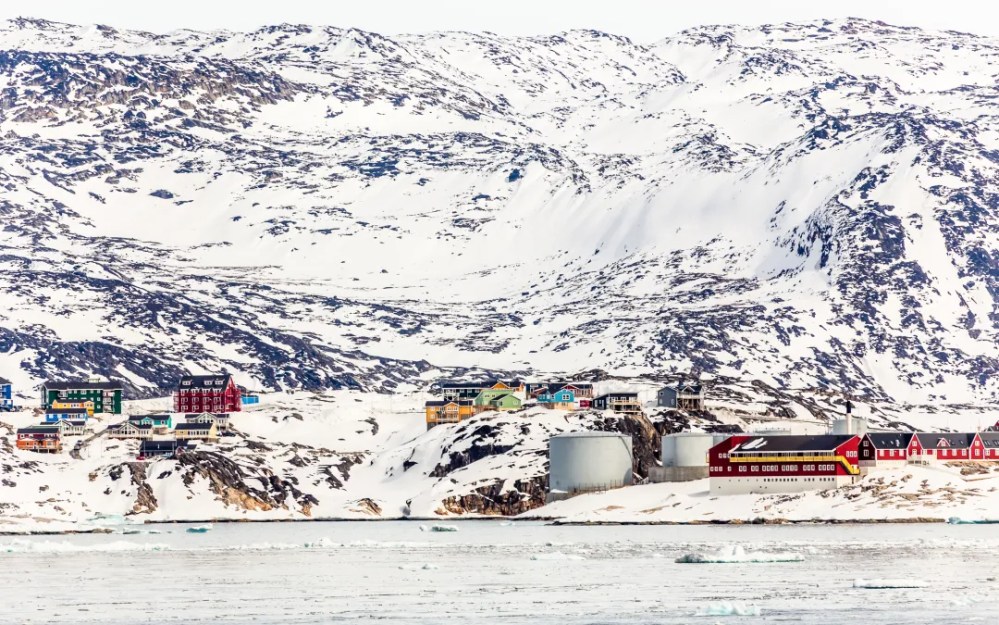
764 485
589 461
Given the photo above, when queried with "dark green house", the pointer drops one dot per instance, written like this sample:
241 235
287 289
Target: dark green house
106 394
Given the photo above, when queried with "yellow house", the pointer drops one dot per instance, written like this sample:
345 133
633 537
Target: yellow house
69 403
448 411
194 430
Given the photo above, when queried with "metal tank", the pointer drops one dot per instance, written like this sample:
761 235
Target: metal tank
850 425
588 461
685 456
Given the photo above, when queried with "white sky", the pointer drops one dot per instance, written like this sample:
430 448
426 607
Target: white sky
642 20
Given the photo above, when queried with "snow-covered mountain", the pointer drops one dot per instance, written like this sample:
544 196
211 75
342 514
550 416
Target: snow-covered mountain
809 205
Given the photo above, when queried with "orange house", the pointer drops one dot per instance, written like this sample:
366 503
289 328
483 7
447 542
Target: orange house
46 437
448 411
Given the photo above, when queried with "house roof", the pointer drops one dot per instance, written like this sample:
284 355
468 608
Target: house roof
503 396
77 422
221 380
444 402
192 425
169 444
480 384
4 381
778 443
197 415
66 411
990 439
141 426
73 385
605 395
39 429
943 440
154 417
685 387
890 440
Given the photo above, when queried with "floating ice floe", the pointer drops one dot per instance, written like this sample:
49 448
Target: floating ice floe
876 584
737 554
959 521
730 609
199 529
442 528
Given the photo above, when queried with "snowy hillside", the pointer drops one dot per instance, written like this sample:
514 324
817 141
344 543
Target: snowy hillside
809 205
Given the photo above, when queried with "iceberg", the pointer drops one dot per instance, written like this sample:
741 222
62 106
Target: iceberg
736 554
199 529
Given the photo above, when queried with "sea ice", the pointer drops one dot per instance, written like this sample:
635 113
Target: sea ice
737 554
889 583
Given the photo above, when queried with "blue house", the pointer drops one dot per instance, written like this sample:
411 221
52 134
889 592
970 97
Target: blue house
55 415
155 420
562 399
6 399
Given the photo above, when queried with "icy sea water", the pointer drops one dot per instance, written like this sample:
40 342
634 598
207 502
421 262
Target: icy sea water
488 572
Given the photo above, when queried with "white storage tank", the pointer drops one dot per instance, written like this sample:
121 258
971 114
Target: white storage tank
588 461
850 425
685 456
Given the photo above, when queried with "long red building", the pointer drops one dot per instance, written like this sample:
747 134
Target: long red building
207 393
744 464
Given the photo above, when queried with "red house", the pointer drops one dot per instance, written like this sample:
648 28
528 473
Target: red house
885 449
207 393
744 464
935 447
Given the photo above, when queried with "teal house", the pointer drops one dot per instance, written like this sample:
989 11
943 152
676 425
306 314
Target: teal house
155 420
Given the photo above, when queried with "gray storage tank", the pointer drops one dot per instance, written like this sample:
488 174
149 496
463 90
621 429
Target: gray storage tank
685 456
582 462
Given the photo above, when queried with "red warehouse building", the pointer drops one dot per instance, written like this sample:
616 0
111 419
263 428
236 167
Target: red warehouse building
745 464
207 393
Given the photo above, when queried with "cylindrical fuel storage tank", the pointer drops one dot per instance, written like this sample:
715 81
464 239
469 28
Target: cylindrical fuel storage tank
850 425
687 449
589 461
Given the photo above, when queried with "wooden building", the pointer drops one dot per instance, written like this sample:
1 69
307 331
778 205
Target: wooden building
496 399
6 395
193 430
86 405
165 448
884 449
220 419
129 430
104 394
46 437
448 411
470 390
618 402
562 399
55 415
158 421
207 393
681 396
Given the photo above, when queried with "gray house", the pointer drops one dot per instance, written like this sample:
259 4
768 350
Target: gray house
681 396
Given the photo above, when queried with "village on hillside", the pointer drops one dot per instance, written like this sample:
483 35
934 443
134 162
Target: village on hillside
733 462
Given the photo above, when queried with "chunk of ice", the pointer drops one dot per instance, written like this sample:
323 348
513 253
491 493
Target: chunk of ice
730 609
736 554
